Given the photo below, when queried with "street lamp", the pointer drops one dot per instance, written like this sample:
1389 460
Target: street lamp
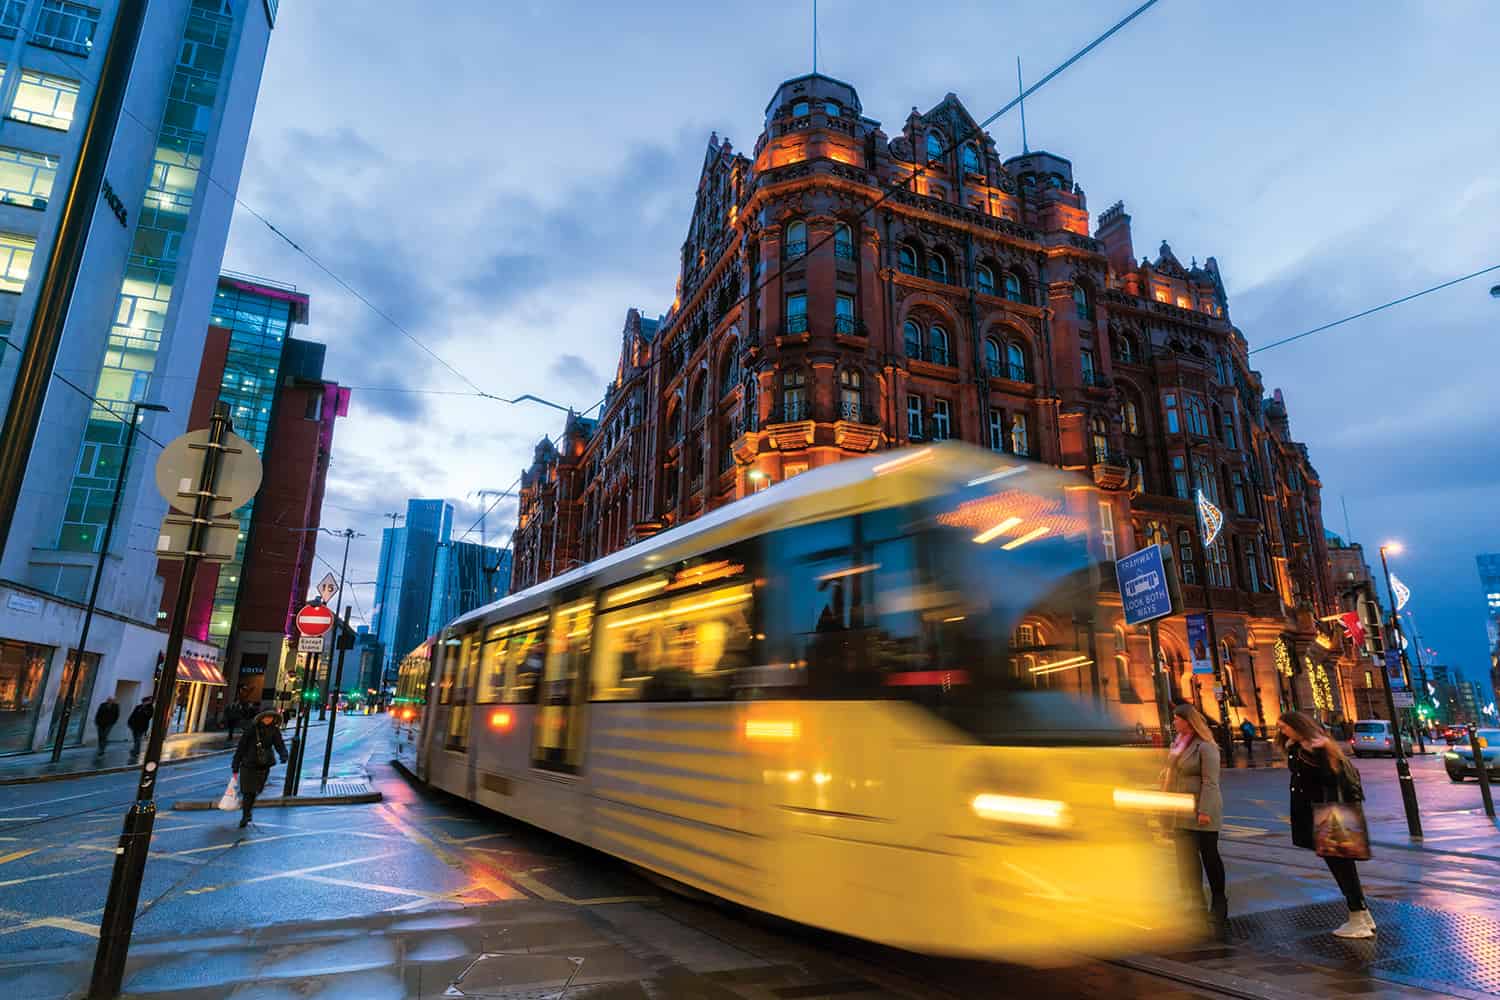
1403 770
88 614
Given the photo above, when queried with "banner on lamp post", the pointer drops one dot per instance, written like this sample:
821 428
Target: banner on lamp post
1197 635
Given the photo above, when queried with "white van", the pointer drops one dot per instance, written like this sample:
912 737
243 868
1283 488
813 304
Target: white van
1373 736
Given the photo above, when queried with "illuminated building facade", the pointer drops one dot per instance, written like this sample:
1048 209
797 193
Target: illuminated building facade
1489 578
972 304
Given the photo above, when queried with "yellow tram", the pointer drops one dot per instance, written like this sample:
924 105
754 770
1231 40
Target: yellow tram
809 702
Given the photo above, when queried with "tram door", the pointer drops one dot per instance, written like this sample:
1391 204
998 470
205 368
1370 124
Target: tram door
559 717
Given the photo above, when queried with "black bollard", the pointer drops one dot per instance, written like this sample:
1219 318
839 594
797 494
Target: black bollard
1483 770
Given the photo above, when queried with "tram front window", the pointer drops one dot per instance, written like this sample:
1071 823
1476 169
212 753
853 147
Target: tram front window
934 604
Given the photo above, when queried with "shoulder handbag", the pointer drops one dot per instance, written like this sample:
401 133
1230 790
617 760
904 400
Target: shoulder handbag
1339 827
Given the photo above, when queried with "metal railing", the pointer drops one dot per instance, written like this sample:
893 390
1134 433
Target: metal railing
793 410
1095 379
934 355
843 250
795 249
796 323
1016 373
848 325
856 412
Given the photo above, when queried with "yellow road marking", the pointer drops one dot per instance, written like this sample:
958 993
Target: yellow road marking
484 880
62 923
17 855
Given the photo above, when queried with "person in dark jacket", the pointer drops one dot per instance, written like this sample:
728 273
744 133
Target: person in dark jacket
1317 768
252 759
1247 733
233 716
105 718
140 723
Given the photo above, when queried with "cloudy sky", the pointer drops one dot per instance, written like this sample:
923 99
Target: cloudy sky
505 179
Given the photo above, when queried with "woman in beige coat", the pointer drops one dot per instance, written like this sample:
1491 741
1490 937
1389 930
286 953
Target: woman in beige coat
1193 769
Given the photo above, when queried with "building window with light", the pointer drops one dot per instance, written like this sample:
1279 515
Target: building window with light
997 430
793 396
66 26
26 178
1107 529
45 100
914 417
851 394
1169 403
1019 439
1099 439
796 313
16 252
1130 417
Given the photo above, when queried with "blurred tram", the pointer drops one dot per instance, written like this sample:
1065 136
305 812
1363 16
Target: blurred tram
857 700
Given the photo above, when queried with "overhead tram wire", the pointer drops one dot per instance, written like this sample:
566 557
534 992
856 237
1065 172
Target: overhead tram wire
892 188
1373 310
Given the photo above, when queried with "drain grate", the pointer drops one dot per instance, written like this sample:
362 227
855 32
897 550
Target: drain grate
1414 944
336 788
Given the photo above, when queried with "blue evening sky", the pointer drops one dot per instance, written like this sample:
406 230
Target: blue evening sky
507 178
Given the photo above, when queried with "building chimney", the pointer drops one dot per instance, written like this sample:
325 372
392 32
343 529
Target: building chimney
1114 233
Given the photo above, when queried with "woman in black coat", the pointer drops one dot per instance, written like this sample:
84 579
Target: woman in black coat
1319 773
253 757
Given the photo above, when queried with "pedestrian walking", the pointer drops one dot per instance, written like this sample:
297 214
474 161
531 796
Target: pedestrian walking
139 723
105 717
253 759
1193 769
1321 773
232 719
1247 733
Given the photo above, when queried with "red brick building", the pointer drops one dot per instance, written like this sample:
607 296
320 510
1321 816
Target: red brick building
971 303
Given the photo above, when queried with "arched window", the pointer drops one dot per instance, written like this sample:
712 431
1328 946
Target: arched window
906 259
843 242
934 146
937 267
1015 358
992 357
800 109
695 411
937 341
831 109
793 395
971 159
1012 287
1130 417
851 396
796 239
1125 348
984 278
913 337
728 370
1197 418
1082 305
1099 438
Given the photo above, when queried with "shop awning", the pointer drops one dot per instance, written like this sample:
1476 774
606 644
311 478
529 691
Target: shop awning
198 670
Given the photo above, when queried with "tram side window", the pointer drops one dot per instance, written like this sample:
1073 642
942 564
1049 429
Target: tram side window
462 690
685 647
865 605
557 730
512 662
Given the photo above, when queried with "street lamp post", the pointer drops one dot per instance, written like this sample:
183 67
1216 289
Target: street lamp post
1403 770
71 688
1201 553
1395 549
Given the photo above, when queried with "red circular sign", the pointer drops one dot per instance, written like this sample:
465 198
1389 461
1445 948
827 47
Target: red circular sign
314 619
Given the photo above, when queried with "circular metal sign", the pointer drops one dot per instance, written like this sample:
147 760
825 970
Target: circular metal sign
314 620
180 467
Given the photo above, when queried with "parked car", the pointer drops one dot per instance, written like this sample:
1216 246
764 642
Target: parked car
1459 761
1373 737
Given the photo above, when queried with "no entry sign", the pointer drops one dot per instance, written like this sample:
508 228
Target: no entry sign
314 620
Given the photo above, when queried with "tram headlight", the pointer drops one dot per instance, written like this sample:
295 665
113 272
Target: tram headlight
1045 813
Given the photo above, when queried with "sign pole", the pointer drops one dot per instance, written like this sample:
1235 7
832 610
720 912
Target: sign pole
135 839
1403 769
338 680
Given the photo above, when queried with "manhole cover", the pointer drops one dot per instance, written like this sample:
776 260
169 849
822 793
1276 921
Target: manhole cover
516 976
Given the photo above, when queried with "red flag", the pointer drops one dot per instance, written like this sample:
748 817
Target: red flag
1353 627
